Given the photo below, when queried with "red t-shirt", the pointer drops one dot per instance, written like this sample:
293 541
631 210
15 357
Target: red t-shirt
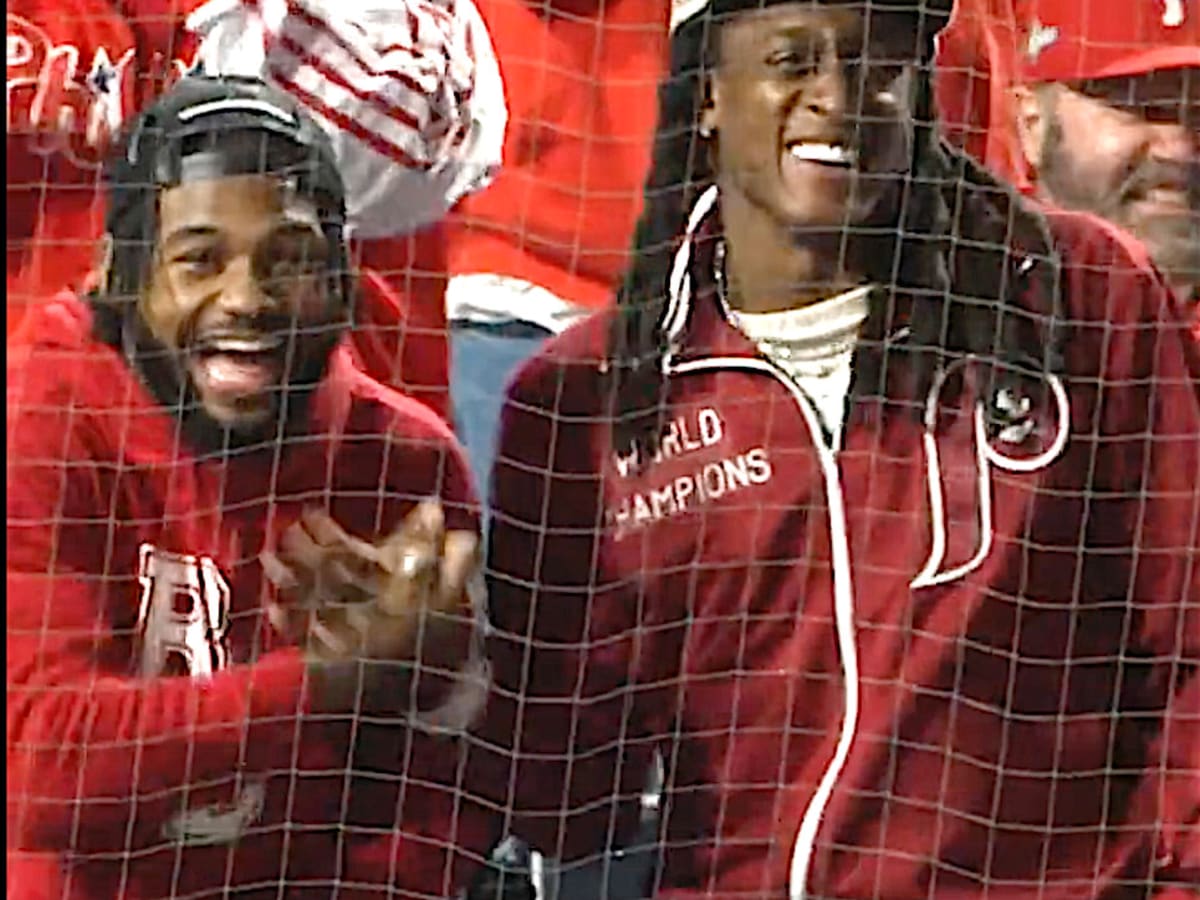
581 80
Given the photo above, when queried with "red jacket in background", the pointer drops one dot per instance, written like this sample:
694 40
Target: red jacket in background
581 79
948 661
131 563
976 67
76 70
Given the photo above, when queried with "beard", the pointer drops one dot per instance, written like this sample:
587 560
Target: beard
1173 242
165 374
1171 237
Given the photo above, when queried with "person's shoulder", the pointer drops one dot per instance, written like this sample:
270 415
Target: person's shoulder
70 397
1090 239
570 367
55 352
390 436
1122 318
1110 277
376 408
64 320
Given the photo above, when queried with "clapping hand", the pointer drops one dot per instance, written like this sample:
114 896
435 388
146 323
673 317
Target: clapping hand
348 601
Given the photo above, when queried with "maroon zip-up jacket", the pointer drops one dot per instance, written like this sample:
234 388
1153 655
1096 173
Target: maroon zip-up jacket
942 660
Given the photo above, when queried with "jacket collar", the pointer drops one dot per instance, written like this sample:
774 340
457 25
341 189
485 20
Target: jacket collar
696 320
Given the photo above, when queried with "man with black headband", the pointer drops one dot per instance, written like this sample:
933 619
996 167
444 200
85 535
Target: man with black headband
230 616
871 510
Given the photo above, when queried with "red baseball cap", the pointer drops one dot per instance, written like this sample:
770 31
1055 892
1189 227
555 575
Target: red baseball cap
1077 40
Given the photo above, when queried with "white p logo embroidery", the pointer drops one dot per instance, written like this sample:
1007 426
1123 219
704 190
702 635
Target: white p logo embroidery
961 512
184 613
1017 411
1172 16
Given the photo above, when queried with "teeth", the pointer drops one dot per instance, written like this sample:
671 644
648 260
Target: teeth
234 345
833 154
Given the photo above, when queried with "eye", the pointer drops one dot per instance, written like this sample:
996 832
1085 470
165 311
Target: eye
288 257
196 262
792 61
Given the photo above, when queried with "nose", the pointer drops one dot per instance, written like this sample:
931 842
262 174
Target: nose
826 90
242 292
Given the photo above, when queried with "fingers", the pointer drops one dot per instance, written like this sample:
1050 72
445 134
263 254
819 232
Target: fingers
277 572
460 561
289 619
299 548
348 598
318 561
417 541
413 556
329 535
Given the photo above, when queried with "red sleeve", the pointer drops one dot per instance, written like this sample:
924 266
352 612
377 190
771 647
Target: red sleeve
423 460
567 744
562 754
1166 584
91 749
569 737
1145 514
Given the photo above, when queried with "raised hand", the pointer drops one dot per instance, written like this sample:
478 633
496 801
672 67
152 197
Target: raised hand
401 603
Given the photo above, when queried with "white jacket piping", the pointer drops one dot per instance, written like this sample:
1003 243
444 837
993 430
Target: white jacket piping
843 608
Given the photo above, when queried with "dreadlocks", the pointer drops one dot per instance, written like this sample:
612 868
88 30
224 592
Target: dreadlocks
961 246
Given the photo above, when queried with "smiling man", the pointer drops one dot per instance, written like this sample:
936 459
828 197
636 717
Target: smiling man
1109 120
262 249
870 511
230 617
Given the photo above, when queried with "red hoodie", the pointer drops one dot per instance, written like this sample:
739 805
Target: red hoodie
581 79
126 778
948 661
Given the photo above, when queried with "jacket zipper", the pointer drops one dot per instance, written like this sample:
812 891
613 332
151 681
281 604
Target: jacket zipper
843 603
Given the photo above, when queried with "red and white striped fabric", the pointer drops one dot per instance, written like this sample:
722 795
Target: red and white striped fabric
409 91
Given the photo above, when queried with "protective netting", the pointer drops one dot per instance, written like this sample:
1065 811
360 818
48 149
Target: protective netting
841 542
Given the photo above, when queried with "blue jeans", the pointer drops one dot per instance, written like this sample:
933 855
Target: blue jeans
483 360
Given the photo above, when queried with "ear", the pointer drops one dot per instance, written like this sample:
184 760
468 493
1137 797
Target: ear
1032 121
